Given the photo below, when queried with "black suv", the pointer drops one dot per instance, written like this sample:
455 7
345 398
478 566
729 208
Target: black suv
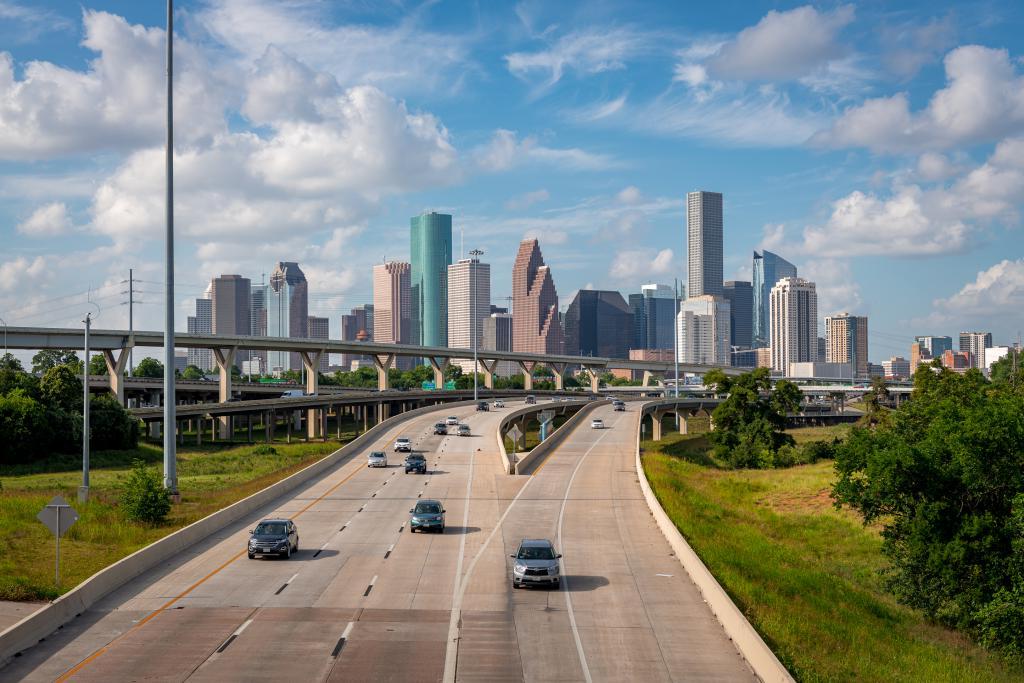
274 537
415 462
482 406
441 428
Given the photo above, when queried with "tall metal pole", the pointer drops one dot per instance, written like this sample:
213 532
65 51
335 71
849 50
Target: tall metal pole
170 443
675 333
5 335
131 319
475 254
83 490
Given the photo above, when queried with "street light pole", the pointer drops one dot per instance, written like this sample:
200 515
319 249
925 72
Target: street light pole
83 490
170 441
5 335
475 254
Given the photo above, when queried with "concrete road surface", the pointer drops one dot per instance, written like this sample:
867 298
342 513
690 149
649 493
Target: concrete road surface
364 599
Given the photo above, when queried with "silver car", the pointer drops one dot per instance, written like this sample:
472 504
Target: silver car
536 564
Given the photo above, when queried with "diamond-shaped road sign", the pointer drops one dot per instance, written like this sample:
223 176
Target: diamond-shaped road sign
515 434
58 516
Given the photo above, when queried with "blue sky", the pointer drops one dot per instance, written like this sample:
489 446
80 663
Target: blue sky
879 146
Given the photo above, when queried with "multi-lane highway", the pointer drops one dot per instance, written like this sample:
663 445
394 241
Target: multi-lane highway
364 599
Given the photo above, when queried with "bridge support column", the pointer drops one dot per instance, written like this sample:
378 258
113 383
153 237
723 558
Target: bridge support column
684 425
199 431
489 367
311 361
225 359
248 424
559 370
595 379
439 365
527 367
647 377
656 418
269 423
383 363
115 372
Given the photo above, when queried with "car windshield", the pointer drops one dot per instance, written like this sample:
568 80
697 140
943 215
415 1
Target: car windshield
270 529
403 440
411 458
428 509
527 552
377 454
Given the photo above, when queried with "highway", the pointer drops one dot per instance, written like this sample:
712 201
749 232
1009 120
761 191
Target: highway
364 599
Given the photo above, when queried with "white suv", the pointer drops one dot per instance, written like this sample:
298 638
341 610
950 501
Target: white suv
403 445
452 420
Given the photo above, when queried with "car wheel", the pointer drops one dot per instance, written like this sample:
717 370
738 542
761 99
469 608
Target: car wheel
516 586
442 529
296 549
251 556
288 552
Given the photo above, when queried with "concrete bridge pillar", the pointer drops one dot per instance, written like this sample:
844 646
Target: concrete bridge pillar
383 363
225 359
527 367
115 372
489 367
656 417
559 370
439 365
311 361
595 379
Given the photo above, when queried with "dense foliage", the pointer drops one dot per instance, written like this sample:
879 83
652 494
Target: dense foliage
143 497
43 415
149 367
944 475
749 424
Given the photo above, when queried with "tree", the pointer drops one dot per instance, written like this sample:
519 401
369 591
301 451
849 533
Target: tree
875 412
110 425
193 372
945 478
1008 370
9 362
61 389
149 367
750 422
97 365
48 358
22 421
142 497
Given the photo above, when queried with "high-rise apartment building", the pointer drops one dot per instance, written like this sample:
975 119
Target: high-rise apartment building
430 240
975 344
704 332
469 302
794 323
896 367
320 328
357 325
598 323
740 295
536 327
768 268
704 229
391 303
287 313
201 323
654 314
846 341
957 361
232 309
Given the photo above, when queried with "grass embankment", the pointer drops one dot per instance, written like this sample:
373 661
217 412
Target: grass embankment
805 574
210 477
533 434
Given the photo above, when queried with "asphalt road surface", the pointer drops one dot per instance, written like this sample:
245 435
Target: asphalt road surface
365 600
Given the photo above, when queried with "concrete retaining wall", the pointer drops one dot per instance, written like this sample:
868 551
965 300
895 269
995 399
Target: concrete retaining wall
48 619
544 449
515 415
748 641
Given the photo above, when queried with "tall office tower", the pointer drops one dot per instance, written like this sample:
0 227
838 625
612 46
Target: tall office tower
704 331
704 243
232 309
740 296
258 321
391 304
469 302
768 268
201 323
498 337
357 325
654 314
822 349
846 341
430 252
975 344
320 328
598 323
794 323
536 327
287 313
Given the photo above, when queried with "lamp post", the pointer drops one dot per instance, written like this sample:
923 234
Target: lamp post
83 490
5 335
170 422
475 254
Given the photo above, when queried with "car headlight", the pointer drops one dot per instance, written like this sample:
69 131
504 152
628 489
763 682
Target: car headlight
553 570
520 568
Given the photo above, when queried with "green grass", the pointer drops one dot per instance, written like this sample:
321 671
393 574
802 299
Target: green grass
210 477
533 434
805 574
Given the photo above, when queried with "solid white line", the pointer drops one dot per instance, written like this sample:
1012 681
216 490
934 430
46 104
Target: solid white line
241 628
292 579
373 580
348 630
452 651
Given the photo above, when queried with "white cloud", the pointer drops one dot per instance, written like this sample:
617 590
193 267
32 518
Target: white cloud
505 150
983 100
528 199
629 195
24 24
547 236
588 52
773 236
782 45
47 221
636 264
114 104
835 285
933 166
998 290
907 48
22 273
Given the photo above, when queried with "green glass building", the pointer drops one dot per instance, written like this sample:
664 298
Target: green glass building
430 253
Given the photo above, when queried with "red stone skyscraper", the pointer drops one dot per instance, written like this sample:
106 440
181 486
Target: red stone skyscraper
535 324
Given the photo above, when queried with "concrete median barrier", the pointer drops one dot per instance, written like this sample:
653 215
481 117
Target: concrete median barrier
543 450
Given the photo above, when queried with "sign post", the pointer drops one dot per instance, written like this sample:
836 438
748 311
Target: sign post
545 417
58 517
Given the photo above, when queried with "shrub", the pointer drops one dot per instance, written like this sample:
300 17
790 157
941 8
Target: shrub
22 419
813 451
264 449
143 497
110 425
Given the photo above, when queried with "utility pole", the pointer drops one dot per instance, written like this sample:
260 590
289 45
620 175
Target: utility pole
675 334
170 422
83 490
131 328
475 255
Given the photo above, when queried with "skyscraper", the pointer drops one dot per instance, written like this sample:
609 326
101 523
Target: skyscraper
498 337
598 323
430 236
654 314
391 303
469 302
846 341
768 268
794 323
535 327
201 323
357 325
287 313
232 309
704 229
740 296
975 344
704 331
320 328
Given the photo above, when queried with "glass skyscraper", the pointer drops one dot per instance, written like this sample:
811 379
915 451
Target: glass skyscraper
430 255
704 227
287 313
768 269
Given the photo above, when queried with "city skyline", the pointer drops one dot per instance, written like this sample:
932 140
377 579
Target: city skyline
930 203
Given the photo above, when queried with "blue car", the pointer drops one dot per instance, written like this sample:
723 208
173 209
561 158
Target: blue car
428 515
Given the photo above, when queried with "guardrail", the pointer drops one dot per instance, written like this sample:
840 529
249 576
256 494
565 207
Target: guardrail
747 640
509 465
48 619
